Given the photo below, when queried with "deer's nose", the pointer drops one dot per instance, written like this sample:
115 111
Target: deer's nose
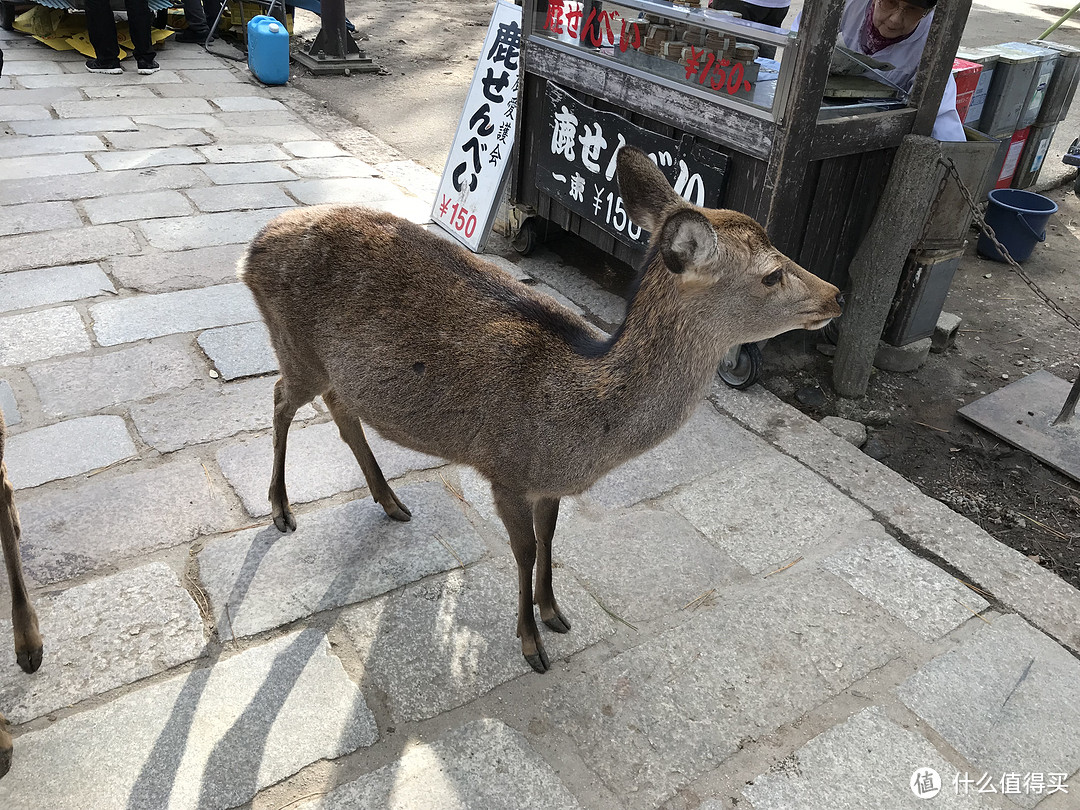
840 300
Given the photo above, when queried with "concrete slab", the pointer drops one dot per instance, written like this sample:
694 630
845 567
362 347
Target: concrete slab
654 718
642 564
336 556
205 414
8 406
447 641
239 351
318 464
141 206
867 761
101 635
91 382
205 230
210 739
37 335
1007 698
110 518
767 510
918 593
485 764
148 316
72 246
168 272
34 217
67 448
706 444
52 285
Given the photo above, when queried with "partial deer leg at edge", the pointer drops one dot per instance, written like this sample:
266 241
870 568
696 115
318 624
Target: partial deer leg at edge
545 515
24 622
517 515
5 747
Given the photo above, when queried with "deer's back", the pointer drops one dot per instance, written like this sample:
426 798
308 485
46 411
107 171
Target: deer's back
435 348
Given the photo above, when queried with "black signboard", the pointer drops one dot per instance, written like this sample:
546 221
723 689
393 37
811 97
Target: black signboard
576 164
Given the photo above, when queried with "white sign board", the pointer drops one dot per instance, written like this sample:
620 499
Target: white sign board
473 178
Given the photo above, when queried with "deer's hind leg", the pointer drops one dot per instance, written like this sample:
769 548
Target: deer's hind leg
289 397
28 643
352 432
5 747
545 515
516 512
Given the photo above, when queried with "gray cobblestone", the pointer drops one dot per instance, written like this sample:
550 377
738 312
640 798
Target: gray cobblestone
29 250
147 316
38 335
242 153
324 167
275 133
343 191
240 197
148 107
52 285
107 633
156 137
206 414
19 112
205 230
166 120
207 72
103 184
169 272
97 80
147 158
21 168
250 104
313 149
119 515
210 739
67 448
8 406
336 556
21 146
34 217
227 174
141 206
88 383
74 126
320 464
239 351
210 90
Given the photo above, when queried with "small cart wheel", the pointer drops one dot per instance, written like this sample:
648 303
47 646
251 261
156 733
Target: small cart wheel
527 238
741 367
7 15
1076 185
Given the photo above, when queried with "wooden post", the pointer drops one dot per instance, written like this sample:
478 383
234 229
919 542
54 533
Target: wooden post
941 43
875 270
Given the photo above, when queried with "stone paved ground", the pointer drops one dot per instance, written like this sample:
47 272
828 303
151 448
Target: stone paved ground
763 617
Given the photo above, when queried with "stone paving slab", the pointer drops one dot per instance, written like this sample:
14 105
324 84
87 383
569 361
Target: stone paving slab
250 104
336 556
34 336
768 509
239 197
444 642
318 464
158 106
18 112
642 564
34 217
92 81
485 765
149 137
343 191
52 145
657 716
22 168
66 449
104 184
169 272
139 206
8 406
227 174
866 762
107 633
706 444
148 316
215 411
110 518
206 230
918 593
242 152
239 351
326 167
1007 698
72 246
313 149
52 285
210 739
92 382
74 126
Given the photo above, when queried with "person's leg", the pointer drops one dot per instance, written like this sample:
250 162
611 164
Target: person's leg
101 28
140 21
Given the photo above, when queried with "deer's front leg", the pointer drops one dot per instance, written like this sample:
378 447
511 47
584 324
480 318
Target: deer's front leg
5 747
545 515
517 515
24 623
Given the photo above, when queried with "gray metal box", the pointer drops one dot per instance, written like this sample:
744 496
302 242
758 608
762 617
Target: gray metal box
1008 96
975 162
1031 159
986 57
1044 72
1059 94
924 285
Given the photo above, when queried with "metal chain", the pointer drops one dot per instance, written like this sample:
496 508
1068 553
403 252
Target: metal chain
929 223
980 220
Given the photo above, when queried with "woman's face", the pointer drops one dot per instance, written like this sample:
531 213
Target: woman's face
895 18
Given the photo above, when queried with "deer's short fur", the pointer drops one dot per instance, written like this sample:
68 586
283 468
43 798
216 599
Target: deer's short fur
23 618
445 354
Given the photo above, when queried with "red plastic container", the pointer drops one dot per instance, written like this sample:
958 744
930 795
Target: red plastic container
966 75
1012 157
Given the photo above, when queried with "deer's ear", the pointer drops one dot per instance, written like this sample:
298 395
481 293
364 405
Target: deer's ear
688 242
644 189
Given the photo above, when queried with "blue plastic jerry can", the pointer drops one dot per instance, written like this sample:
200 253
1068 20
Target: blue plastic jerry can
268 49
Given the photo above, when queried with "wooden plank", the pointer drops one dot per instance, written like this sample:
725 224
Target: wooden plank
729 126
941 44
830 206
867 132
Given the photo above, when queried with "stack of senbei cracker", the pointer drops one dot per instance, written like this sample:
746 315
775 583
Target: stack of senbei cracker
655 38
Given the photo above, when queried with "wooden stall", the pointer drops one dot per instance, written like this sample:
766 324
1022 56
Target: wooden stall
761 138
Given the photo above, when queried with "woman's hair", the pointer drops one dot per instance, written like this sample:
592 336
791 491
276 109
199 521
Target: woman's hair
923 3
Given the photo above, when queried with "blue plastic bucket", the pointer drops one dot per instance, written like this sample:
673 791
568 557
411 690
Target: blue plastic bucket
268 49
1019 221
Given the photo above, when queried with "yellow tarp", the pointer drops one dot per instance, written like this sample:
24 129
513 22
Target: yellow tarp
64 32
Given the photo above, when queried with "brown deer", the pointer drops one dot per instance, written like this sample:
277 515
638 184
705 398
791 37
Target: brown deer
446 354
23 618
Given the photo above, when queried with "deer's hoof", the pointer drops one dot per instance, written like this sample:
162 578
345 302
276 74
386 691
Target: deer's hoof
538 660
284 520
398 512
558 623
30 659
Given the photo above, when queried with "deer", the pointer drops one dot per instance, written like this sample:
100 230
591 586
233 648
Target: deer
444 353
24 622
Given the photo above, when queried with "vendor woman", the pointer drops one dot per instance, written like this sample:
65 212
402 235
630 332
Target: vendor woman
894 31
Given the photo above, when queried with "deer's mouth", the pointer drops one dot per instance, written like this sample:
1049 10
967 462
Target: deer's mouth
815 325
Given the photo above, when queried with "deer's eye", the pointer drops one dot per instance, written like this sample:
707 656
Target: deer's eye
773 278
